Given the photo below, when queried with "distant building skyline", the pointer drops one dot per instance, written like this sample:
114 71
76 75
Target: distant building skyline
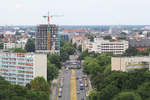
76 12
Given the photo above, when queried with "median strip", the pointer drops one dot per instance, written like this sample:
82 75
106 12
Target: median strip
73 91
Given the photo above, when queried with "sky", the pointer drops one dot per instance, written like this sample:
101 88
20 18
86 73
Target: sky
75 12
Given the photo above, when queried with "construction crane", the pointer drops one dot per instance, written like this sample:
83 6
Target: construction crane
49 35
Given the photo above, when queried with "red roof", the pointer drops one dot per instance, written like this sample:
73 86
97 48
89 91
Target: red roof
74 31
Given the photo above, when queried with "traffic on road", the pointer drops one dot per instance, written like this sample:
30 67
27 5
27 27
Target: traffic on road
72 82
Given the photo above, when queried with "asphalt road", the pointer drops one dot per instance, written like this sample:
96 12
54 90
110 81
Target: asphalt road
66 84
82 93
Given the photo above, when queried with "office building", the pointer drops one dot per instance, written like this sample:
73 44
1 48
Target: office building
47 42
106 46
21 68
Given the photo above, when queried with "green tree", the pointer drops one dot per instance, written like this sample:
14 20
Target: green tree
18 33
1 45
131 51
90 36
93 95
30 45
1 36
55 59
40 84
127 96
108 37
144 90
83 55
37 95
19 50
109 92
66 50
52 72
80 48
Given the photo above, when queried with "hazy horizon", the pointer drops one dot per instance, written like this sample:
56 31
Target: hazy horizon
76 12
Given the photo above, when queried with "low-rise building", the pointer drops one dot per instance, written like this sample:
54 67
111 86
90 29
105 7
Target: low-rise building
129 63
21 68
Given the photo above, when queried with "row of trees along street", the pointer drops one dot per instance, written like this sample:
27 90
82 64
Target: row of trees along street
115 85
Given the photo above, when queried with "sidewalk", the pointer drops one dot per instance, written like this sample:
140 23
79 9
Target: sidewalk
54 86
89 85
54 89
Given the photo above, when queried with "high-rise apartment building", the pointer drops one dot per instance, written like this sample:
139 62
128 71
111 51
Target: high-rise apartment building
21 68
47 39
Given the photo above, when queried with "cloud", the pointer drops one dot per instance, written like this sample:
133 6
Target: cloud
18 5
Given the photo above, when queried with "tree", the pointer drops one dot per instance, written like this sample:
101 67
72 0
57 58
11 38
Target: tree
16 92
80 48
108 37
30 45
40 84
1 36
54 59
37 95
127 96
144 90
1 45
19 50
93 95
52 72
90 36
131 51
83 55
66 50
18 33
109 92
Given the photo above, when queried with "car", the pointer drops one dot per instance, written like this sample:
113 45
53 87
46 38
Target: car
81 86
78 92
60 94
82 98
80 80
60 89
77 77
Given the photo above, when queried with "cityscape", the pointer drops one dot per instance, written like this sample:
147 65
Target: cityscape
87 52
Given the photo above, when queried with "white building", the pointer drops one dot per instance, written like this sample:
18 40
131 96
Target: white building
105 46
9 33
21 68
19 44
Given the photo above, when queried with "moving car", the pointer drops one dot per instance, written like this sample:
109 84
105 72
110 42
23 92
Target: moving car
60 92
81 86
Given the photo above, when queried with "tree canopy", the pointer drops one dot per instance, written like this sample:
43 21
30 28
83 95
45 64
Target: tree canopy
108 37
16 92
66 49
30 45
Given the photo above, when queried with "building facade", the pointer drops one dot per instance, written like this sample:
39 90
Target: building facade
126 64
21 68
140 45
47 42
106 46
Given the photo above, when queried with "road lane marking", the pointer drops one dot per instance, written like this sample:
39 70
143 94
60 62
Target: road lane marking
73 91
73 72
